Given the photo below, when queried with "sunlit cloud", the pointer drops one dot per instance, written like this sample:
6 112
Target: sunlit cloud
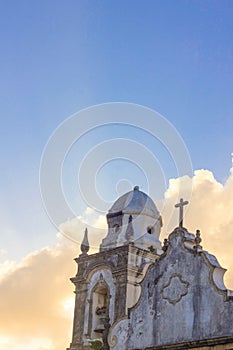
31 296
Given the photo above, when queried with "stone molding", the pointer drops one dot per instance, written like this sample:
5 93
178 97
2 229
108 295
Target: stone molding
168 289
212 268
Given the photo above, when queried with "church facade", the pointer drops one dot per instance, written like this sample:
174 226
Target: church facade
136 294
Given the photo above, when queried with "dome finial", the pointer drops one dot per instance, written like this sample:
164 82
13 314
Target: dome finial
136 188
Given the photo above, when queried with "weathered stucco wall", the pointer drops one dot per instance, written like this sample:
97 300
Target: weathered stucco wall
180 300
183 299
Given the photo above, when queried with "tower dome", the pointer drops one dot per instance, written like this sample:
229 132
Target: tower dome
135 202
133 218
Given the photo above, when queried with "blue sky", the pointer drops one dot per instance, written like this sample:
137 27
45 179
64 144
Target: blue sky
58 57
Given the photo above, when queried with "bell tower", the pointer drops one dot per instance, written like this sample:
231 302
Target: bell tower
134 295
107 283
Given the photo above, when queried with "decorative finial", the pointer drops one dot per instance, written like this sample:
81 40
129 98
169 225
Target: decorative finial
180 205
130 231
165 245
85 243
197 241
136 188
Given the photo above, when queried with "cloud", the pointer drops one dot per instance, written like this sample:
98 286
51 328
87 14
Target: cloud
25 343
89 211
6 267
36 296
33 300
101 222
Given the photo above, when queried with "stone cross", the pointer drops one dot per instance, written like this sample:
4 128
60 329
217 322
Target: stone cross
180 205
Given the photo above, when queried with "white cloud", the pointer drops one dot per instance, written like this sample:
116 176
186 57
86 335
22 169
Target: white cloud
89 211
101 222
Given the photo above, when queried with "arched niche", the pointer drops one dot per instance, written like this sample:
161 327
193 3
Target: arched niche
99 309
100 293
